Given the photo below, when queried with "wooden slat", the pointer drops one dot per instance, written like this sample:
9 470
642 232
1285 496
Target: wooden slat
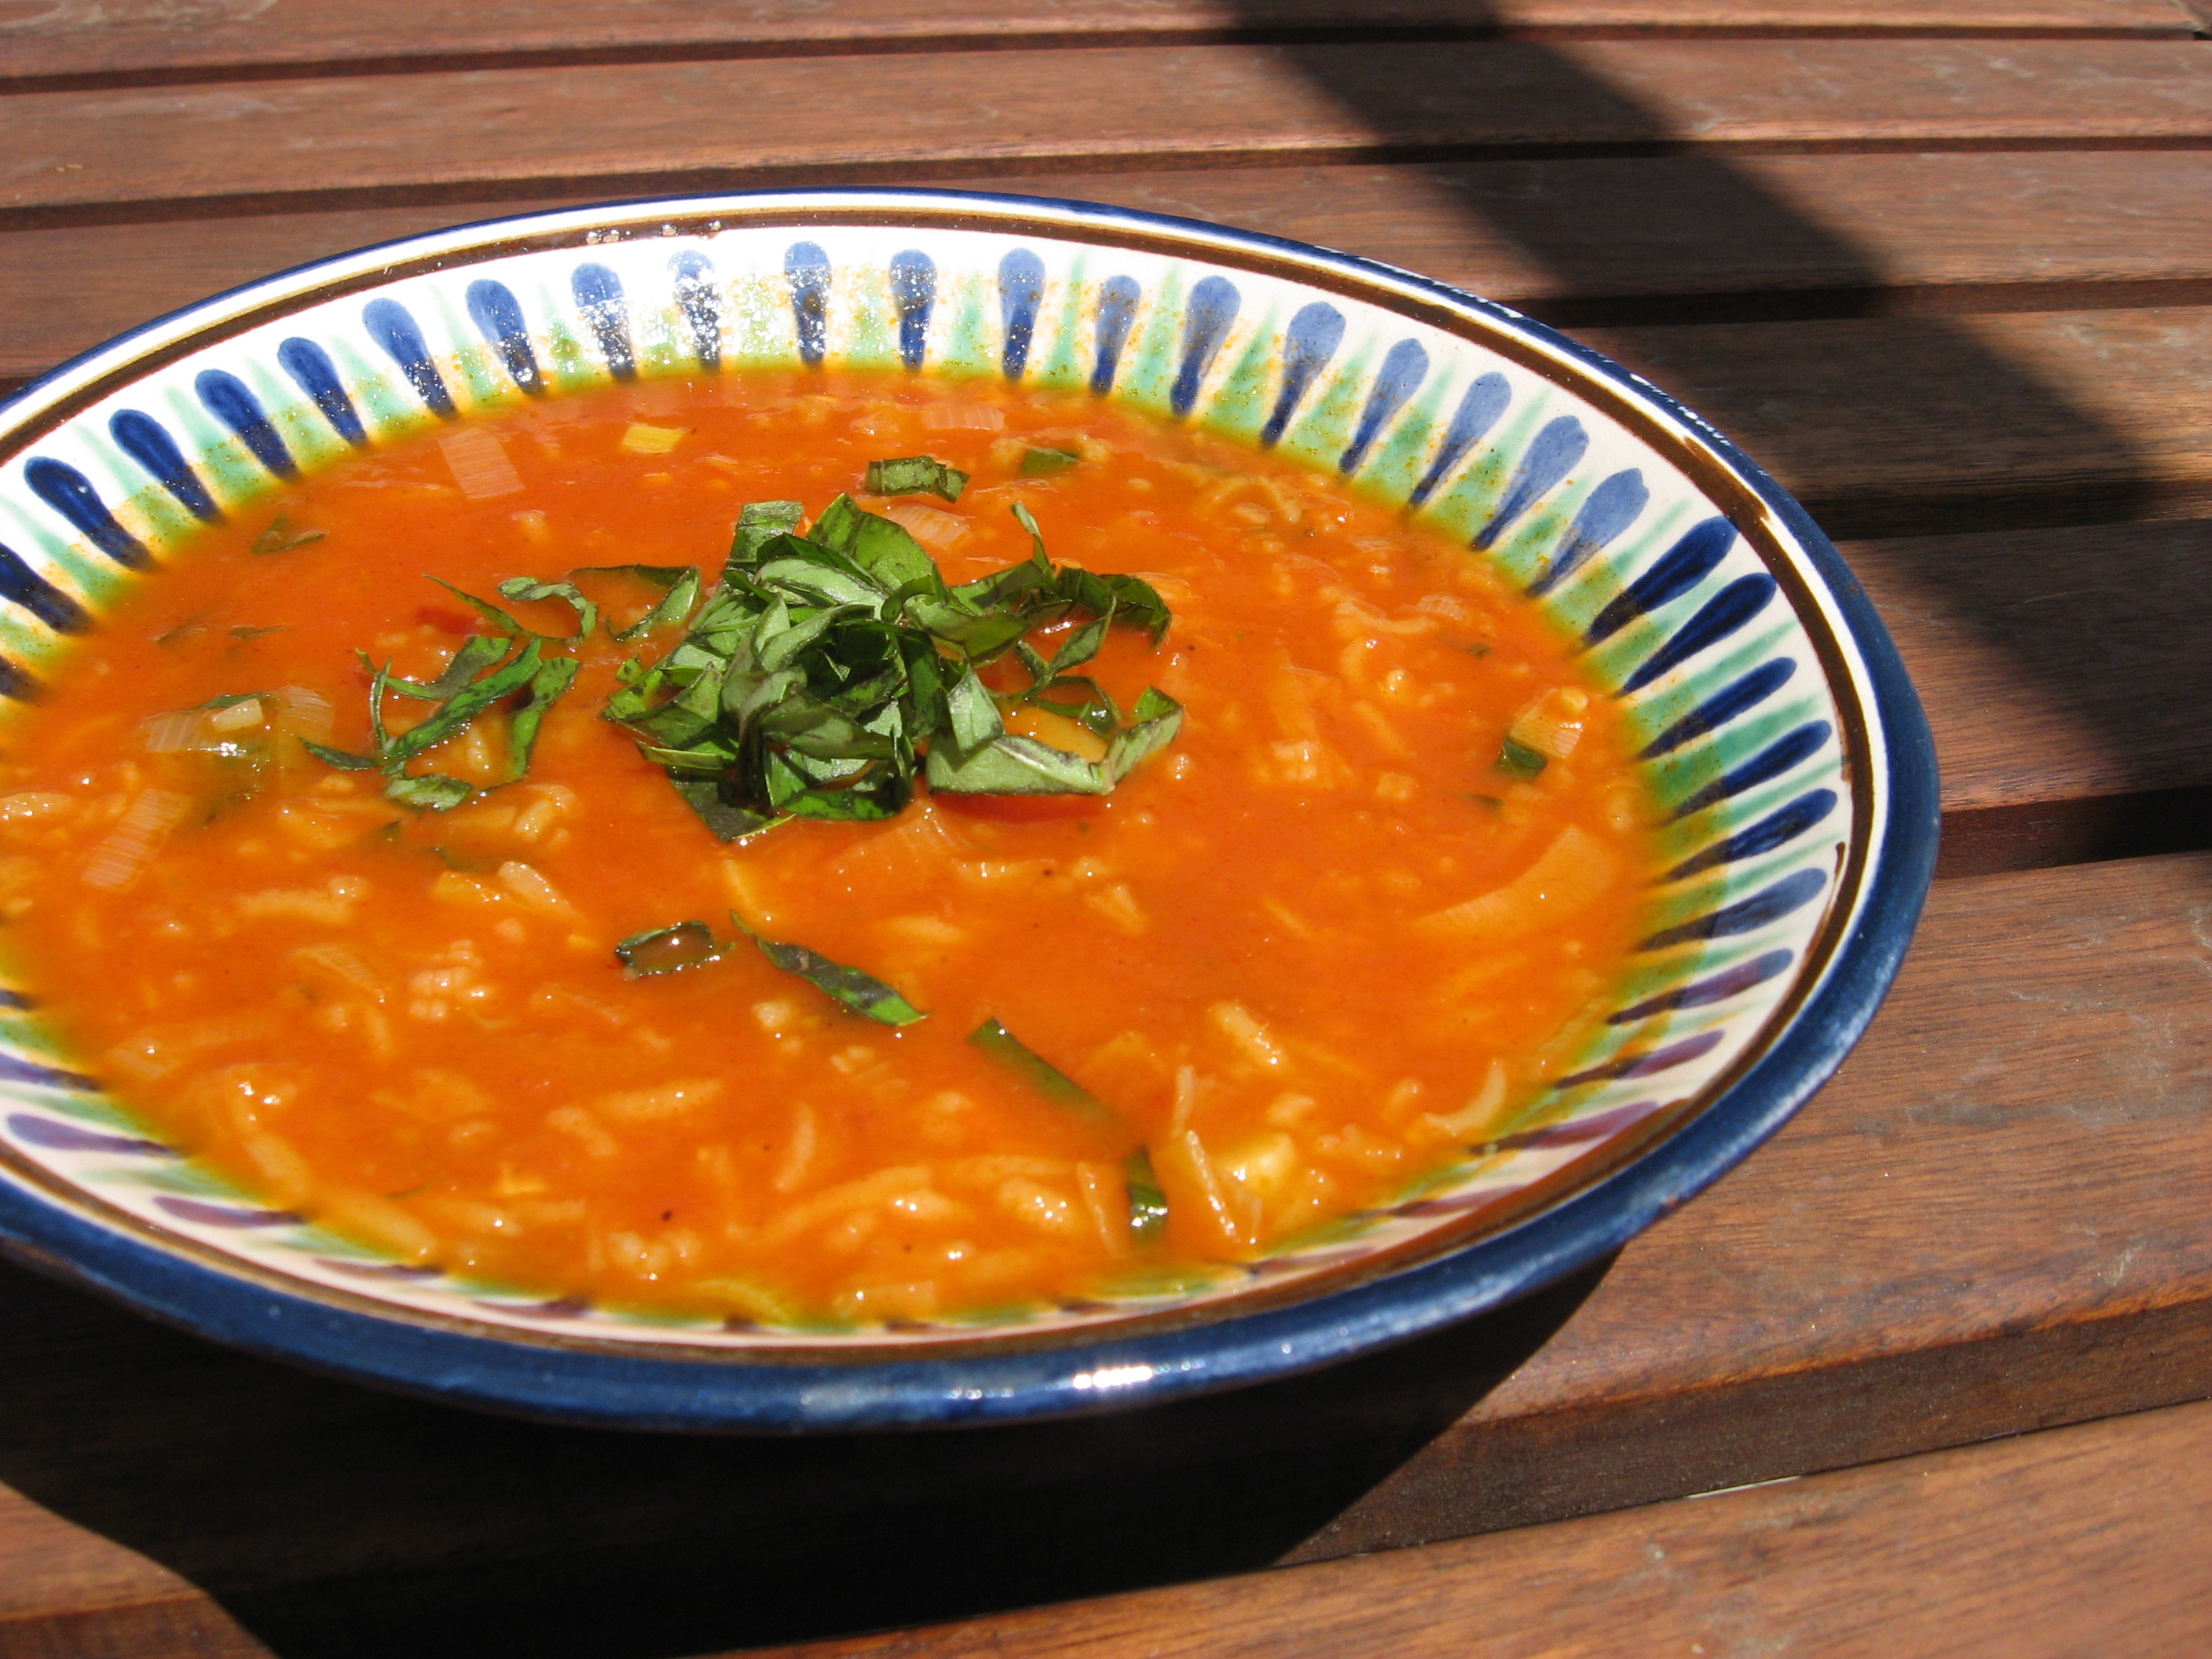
1991 1221
342 142
2082 1540
1575 242
1908 426
151 40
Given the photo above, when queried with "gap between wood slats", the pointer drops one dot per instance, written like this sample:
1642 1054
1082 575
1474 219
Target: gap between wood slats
87 157
1990 1221
121 46
2081 1541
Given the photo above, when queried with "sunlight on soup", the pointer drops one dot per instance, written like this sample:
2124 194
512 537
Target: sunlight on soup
823 849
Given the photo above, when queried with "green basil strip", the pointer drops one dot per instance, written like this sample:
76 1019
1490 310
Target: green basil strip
1039 1074
431 790
1159 717
339 758
758 524
554 677
727 820
916 475
972 712
478 652
1044 463
858 991
522 588
1517 760
1009 765
679 595
282 537
465 705
668 950
1148 1201
483 608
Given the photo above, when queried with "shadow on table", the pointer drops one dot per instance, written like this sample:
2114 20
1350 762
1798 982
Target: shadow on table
334 1521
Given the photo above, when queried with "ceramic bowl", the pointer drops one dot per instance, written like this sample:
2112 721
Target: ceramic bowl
1773 720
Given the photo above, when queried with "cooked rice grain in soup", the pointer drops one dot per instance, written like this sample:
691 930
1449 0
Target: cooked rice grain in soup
996 927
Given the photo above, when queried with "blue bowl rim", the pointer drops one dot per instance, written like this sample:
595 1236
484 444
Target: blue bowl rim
605 1387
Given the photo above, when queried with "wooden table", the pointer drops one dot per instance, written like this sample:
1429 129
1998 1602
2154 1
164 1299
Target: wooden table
1943 265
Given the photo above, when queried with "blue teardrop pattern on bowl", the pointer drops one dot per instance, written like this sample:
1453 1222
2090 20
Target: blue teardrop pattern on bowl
806 268
498 317
1770 835
1769 764
1736 697
1612 507
58 1137
148 442
314 374
598 295
1487 397
1117 319
914 295
1731 982
694 280
1551 455
1309 342
1404 366
1021 292
392 327
1769 904
70 493
231 401
21 585
1646 1062
1207 317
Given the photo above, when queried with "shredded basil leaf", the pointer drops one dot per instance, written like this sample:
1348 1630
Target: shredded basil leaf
521 588
339 758
282 537
1044 463
916 475
668 950
1039 1074
1148 1201
1519 761
429 789
862 992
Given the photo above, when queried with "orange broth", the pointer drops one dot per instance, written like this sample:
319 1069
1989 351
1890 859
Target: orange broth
1320 945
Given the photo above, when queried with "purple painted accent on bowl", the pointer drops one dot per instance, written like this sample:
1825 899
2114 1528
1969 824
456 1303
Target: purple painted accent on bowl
1643 1064
204 1214
73 1138
565 1307
1600 1126
1310 1261
378 1269
13 1069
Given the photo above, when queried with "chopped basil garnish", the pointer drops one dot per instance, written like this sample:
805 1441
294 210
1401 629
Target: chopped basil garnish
282 537
668 950
1039 1074
862 992
481 674
1044 463
828 668
916 475
1517 760
1148 1202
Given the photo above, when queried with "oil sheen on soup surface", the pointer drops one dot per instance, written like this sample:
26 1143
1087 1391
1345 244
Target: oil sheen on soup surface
1345 925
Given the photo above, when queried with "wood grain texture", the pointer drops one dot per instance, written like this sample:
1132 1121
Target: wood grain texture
336 142
1990 1221
1572 242
2081 1541
153 39
1908 426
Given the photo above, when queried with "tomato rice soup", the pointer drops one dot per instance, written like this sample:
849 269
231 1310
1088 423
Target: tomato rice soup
1189 925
